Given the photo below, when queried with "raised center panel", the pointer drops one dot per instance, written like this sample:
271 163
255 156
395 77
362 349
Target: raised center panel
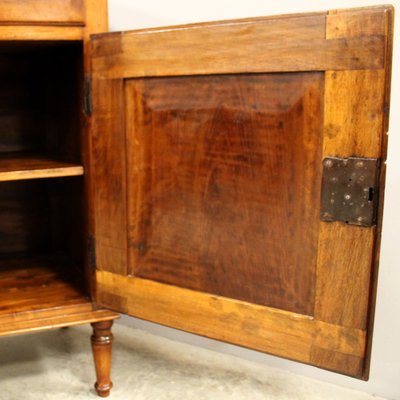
224 177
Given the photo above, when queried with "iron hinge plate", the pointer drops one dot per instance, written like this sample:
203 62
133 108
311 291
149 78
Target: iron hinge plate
92 253
87 97
350 190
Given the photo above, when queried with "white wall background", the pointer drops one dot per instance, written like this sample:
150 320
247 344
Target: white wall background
385 368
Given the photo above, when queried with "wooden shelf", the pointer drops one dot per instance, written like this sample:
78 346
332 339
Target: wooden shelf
27 166
28 284
35 294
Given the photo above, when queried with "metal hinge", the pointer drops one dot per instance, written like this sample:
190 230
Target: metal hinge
350 190
87 97
92 253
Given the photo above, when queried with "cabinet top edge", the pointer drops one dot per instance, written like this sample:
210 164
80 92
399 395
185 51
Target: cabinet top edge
386 8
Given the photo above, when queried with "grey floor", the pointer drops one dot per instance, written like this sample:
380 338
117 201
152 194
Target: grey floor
57 365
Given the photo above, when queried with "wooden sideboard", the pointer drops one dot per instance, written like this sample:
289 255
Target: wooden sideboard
224 178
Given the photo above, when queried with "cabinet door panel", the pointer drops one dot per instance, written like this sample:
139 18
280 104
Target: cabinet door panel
207 150
219 167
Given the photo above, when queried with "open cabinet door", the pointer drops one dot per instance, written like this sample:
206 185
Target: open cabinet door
238 172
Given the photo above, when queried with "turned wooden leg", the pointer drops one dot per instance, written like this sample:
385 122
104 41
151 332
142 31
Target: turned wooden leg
102 339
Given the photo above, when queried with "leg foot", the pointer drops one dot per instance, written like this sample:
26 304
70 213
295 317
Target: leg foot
102 339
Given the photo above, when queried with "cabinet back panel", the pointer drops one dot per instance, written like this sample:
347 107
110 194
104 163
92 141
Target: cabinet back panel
21 104
42 217
24 217
40 98
223 184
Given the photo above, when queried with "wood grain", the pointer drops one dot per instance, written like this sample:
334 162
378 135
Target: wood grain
102 340
68 12
24 167
351 127
39 293
343 24
39 33
28 284
256 46
46 319
108 172
353 49
386 110
343 274
41 63
354 127
282 333
346 364
96 21
96 12
39 120
223 196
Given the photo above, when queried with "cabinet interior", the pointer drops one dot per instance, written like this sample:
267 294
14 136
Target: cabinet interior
42 206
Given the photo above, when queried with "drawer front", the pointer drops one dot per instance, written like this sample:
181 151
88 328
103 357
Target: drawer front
65 12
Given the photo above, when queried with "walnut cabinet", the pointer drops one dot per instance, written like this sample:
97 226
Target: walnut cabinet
224 178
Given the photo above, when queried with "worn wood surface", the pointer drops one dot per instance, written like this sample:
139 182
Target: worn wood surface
346 364
59 317
255 46
347 131
345 24
39 293
54 12
270 330
343 274
352 48
63 316
210 178
354 127
27 284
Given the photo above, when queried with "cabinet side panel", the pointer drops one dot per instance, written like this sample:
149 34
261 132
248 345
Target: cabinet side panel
108 175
